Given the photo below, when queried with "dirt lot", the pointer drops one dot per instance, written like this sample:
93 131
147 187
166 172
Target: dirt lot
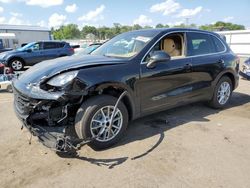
190 146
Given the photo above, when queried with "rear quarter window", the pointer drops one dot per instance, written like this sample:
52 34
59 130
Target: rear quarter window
218 44
61 45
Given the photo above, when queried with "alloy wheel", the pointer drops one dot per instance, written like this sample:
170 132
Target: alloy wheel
101 126
224 92
17 65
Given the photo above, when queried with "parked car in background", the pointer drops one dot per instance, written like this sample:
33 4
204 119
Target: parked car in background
132 75
2 47
245 73
88 49
35 52
6 76
5 49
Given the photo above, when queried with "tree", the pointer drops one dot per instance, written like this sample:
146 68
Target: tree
159 26
87 30
136 27
147 27
192 25
222 26
117 28
181 25
69 31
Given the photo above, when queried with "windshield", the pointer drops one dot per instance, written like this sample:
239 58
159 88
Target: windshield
32 46
87 50
125 45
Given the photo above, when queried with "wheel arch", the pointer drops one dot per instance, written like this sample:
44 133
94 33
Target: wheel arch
15 57
115 89
229 73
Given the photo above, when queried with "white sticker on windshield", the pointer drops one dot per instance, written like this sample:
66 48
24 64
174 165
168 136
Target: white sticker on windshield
143 39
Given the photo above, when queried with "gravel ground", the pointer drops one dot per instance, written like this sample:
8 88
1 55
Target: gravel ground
190 146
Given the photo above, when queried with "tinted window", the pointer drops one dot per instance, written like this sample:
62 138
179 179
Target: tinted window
218 45
60 45
199 43
31 46
49 45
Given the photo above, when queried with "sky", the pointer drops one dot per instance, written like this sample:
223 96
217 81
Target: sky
54 13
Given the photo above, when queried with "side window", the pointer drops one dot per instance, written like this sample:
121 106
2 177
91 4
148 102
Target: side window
36 46
172 44
49 45
199 44
218 45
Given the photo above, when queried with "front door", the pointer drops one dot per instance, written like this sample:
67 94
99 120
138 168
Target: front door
168 83
34 55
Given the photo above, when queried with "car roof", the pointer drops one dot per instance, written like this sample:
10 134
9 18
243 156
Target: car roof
55 41
177 29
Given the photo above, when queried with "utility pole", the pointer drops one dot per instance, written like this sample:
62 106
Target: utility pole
187 21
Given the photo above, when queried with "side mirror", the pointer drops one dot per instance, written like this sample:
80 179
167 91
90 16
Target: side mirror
28 50
157 57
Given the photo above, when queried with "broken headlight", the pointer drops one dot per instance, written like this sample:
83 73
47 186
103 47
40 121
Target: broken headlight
62 79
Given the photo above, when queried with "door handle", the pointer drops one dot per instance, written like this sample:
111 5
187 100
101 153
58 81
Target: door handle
221 61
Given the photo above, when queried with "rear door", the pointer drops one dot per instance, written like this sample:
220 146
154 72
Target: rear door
206 52
51 50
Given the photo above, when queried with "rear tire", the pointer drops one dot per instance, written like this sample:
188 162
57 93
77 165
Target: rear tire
93 119
222 93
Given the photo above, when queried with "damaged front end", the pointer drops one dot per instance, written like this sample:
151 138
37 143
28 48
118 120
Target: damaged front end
48 112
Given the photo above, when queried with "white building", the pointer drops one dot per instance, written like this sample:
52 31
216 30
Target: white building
239 41
13 36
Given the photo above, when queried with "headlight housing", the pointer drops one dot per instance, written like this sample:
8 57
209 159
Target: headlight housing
62 79
246 65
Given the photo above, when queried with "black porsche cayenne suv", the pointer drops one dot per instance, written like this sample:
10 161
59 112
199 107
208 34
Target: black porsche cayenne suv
92 98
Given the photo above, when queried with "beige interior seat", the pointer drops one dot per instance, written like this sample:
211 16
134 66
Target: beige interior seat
170 47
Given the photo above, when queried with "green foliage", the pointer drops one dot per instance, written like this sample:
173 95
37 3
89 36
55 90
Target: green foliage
161 26
222 26
71 31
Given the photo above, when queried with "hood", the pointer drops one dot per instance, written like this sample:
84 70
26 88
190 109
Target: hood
49 68
7 53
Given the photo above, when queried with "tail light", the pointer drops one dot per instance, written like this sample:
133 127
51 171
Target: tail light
72 50
237 63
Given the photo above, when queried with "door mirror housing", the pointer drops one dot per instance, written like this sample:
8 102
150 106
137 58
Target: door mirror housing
157 57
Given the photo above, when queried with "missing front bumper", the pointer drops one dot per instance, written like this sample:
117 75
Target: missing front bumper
59 138
56 138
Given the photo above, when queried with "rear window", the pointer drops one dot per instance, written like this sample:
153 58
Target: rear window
200 43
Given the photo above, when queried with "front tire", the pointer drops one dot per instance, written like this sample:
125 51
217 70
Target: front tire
222 93
16 64
93 120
